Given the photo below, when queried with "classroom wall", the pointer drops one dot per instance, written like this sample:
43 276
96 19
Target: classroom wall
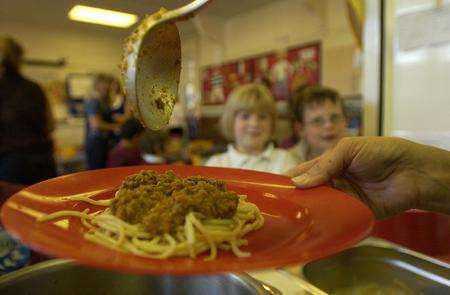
83 50
288 23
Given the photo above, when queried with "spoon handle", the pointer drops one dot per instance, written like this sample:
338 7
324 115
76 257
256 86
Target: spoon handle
185 12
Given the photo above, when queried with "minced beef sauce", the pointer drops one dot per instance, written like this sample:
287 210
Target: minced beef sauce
161 201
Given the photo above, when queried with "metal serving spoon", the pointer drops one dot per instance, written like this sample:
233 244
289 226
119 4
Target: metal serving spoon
151 65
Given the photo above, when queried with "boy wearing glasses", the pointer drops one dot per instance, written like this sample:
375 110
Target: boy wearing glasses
319 121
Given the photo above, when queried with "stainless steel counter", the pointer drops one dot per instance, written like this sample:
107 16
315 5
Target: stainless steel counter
374 266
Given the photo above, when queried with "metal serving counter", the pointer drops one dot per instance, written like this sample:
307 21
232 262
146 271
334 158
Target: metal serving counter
372 267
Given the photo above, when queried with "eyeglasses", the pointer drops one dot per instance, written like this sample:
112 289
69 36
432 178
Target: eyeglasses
321 121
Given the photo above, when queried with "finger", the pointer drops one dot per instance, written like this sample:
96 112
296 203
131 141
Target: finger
308 181
301 168
328 165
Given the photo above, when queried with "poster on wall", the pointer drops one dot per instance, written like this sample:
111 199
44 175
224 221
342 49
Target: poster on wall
282 72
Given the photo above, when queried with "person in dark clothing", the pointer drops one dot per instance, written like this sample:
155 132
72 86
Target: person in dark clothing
26 123
127 151
100 125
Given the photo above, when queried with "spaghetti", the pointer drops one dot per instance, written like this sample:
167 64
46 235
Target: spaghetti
162 215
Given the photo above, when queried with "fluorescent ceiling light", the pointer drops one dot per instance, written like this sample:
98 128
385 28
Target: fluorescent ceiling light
100 16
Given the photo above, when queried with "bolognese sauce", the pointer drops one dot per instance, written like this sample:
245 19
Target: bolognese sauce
161 201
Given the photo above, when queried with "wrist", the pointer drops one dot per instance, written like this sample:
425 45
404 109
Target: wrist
434 185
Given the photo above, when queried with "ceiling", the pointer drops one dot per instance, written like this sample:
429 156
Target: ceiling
54 12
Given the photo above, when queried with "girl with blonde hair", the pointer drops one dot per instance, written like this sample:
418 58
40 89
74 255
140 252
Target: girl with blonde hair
248 122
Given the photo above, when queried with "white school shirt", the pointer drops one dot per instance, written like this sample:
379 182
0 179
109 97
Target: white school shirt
271 160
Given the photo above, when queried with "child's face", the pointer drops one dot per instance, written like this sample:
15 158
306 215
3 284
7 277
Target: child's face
323 125
252 131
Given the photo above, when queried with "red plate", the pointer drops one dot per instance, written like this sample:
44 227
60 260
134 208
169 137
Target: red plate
300 225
